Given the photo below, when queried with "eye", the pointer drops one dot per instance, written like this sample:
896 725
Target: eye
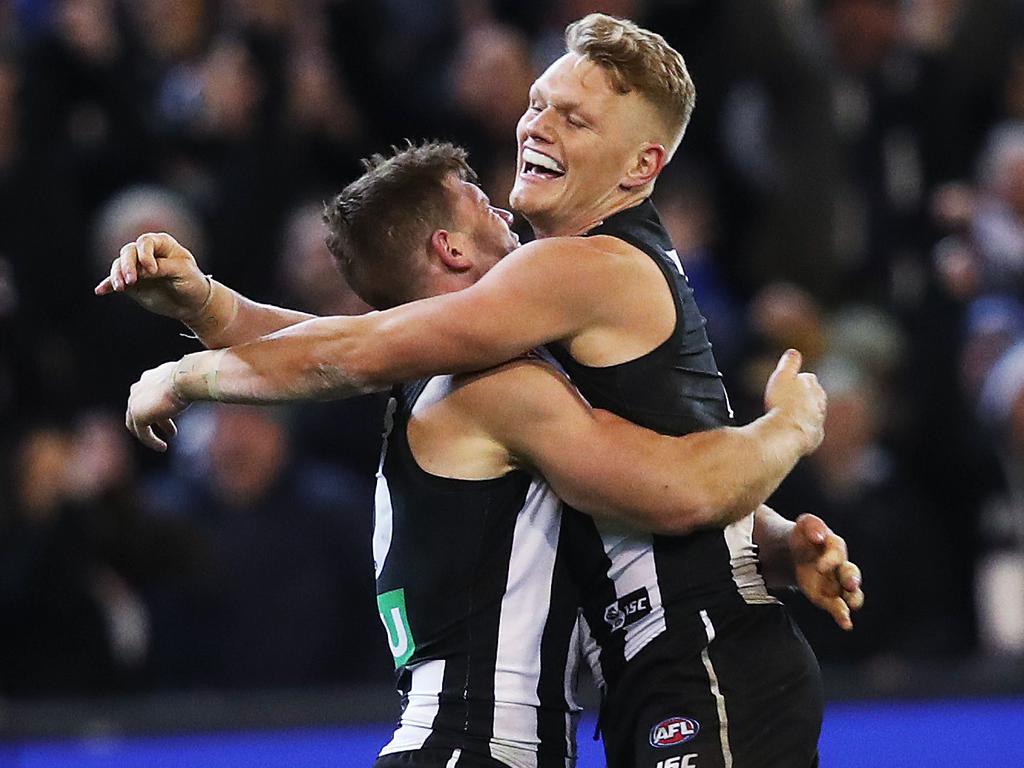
575 122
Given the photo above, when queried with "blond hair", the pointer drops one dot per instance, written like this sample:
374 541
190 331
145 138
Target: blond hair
638 60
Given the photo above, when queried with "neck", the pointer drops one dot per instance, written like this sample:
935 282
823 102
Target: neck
586 219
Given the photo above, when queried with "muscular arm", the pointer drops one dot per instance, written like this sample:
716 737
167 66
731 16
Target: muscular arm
532 297
607 466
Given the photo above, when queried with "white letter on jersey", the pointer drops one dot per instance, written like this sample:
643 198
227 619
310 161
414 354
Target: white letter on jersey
400 644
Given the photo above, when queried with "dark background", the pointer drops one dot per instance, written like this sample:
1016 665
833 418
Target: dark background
852 184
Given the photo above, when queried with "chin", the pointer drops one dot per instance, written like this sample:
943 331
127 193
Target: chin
525 201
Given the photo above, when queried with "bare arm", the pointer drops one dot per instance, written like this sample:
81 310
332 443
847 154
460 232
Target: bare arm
163 277
532 297
607 466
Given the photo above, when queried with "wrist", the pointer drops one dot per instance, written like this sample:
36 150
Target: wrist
217 311
790 431
195 377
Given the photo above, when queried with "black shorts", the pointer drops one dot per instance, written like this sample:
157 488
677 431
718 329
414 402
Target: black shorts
436 758
749 698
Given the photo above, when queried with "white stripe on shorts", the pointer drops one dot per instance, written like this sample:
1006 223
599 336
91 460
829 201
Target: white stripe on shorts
723 720
455 759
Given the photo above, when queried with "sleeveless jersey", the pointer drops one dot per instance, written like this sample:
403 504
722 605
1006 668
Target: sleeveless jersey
636 586
482 628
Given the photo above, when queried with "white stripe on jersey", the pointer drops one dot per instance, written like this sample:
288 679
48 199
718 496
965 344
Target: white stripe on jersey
591 652
633 568
524 612
383 515
382 524
572 672
418 716
743 558
674 255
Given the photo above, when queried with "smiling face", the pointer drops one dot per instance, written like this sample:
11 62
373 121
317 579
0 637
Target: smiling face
583 146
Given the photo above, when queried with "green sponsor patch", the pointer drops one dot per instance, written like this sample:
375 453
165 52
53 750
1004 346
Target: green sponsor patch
391 606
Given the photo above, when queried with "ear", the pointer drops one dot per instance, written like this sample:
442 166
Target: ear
648 164
450 249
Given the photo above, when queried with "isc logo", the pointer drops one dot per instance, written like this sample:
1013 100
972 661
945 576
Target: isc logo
674 730
686 761
628 609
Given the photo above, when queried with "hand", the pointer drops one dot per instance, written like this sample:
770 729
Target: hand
160 275
800 397
153 403
823 571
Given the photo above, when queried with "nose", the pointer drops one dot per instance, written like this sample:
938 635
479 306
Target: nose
505 215
538 125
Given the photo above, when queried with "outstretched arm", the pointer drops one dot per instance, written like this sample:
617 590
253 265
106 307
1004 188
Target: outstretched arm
536 295
162 277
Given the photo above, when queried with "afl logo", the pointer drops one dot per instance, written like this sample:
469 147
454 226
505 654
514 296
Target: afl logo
673 731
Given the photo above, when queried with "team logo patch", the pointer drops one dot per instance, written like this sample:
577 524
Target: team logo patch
673 731
628 609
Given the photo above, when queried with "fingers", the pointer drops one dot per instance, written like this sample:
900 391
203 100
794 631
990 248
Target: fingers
144 432
145 247
129 260
168 427
849 581
840 613
117 278
833 554
848 575
106 286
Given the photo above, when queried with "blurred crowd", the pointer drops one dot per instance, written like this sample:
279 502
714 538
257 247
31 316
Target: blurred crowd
852 184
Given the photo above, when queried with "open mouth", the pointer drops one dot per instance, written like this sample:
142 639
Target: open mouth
540 165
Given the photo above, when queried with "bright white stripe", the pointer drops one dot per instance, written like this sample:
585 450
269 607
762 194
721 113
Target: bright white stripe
675 260
383 515
524 612
418 717
723 720
632 568
739 537
455 758
383 521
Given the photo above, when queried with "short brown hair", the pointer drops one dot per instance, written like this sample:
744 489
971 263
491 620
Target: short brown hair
638 60
378 224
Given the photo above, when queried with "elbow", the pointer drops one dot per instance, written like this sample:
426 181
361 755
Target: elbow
697 511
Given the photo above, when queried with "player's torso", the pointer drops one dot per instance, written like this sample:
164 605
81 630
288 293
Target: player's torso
480 627
635 586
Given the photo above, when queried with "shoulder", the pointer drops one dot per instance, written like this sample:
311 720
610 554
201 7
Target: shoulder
570 264
554 248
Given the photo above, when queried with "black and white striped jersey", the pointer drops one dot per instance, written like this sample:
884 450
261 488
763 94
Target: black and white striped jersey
634 585
482 626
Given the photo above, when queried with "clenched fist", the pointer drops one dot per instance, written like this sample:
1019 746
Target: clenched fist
800 397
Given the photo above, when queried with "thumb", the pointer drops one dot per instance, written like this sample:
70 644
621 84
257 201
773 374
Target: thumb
812 528
789 364
788 367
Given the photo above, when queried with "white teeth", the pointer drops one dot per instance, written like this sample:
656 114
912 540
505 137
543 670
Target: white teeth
536 158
